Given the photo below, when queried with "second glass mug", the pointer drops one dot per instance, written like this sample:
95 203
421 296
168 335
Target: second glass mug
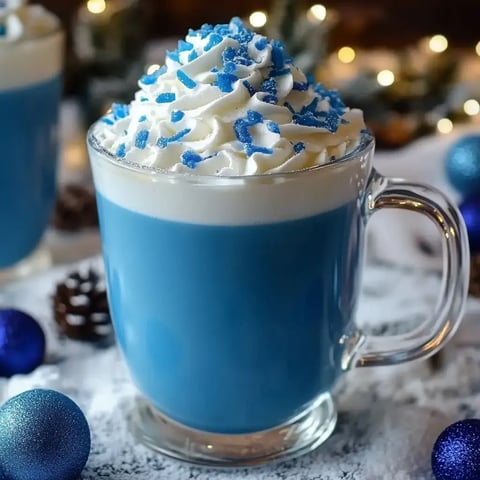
234 298
30 94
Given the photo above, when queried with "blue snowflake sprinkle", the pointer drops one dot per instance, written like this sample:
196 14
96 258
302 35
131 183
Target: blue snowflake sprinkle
229 67
174 55
190 158
229 54
274 127
213 40
108 121
186 80
120 110
150 79
176 116
164 141
184 46
142 139
240 127
250 149
272 99
254 117
225 82
166 98
249 87
299 147
122 151
144 99
261 44
192 56
142 119
300 86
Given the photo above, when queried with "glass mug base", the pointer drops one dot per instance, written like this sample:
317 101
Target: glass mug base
303 434
38 260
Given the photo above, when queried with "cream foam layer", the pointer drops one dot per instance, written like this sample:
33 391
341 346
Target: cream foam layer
226 201
35 57
230 102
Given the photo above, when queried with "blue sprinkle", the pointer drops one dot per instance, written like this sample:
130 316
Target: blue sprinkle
240 128
254 117
142 118
192 56
122 151
273 126
229 54
3 29
166 98
175 56
176 116
269 86
213 40
225 82
299 147
144 99
164 141
150 79
300 86
250 149
229 67
184 46
108 121
214 70
270 99
261 44
236 22
249 87
205 30
120 110
186 80
190 158
142 138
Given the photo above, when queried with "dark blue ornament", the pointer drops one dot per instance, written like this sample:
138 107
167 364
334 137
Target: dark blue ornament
43 436
463 165
470 209
456 453
22 343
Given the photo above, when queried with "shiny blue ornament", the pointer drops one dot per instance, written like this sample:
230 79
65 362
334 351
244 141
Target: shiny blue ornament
470 209
43 436
463 165
456 453
22 343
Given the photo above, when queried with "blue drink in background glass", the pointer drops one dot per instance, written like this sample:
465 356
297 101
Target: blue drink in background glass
30 92
233 196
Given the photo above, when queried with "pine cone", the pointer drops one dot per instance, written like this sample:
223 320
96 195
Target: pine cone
475 276
81 308
75 209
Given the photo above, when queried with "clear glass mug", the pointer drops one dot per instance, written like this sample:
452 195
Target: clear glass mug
30 91
234 298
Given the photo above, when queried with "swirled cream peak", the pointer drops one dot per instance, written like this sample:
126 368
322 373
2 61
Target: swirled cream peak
21 21
229 101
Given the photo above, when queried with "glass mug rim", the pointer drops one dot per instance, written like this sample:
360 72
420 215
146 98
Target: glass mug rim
365 146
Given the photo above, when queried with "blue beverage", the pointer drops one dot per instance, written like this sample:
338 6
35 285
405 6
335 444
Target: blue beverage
29 146
232 329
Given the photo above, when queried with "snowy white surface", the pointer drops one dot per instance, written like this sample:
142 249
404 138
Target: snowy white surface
389 416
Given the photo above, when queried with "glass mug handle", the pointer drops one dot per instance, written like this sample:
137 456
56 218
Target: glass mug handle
430 336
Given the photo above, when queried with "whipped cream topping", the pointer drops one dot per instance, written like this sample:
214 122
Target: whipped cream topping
21 21
230 102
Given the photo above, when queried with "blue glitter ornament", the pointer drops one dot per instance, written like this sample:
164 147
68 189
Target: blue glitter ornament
470 209
456 453
463 165
22 343
43 436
